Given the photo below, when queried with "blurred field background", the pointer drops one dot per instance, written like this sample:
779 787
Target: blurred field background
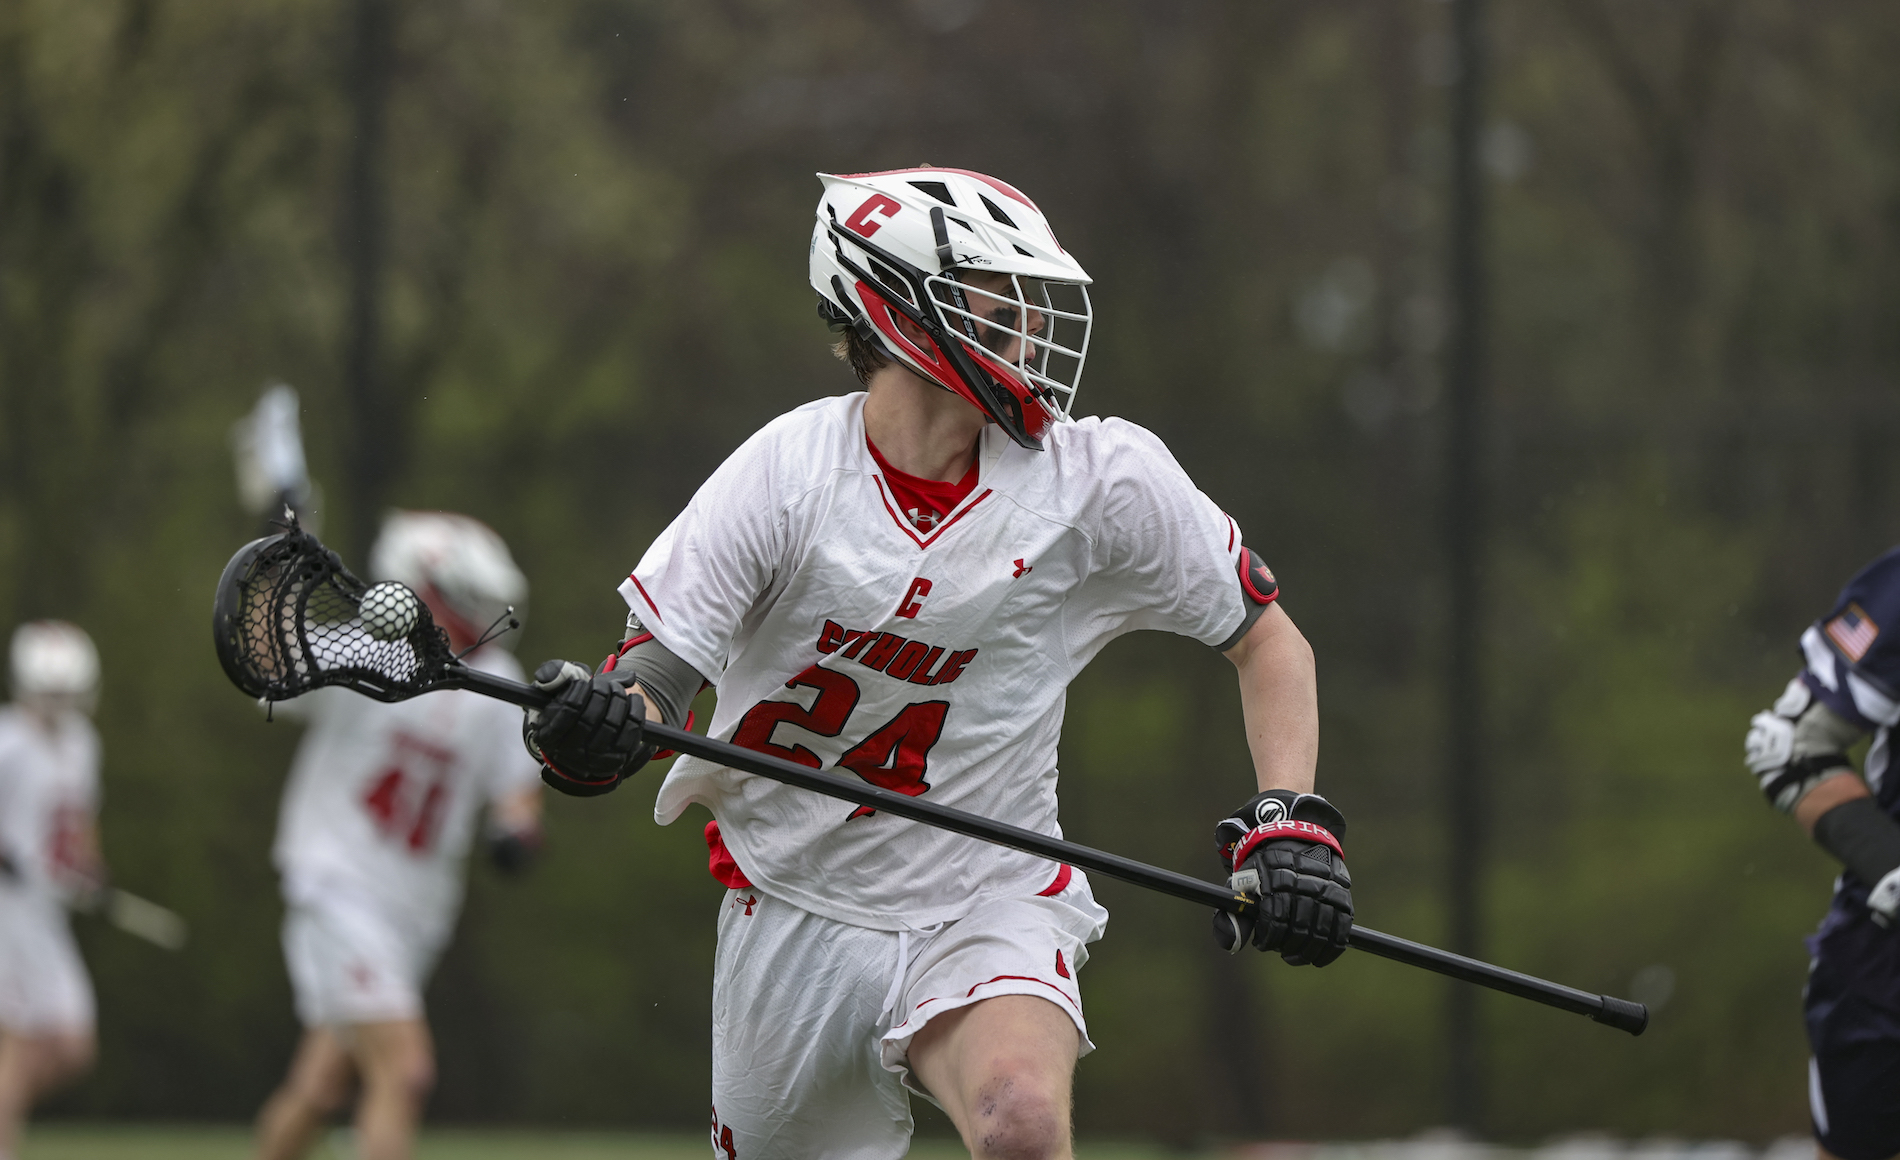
65 1142
594 287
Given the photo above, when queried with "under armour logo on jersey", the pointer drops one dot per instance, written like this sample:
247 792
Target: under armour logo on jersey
923 520
748 903
1021 569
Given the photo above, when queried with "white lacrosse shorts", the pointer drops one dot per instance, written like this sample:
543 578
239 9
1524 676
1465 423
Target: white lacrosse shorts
353 962
44 988
813 1018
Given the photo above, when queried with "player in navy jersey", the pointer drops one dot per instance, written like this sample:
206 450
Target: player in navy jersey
1848 688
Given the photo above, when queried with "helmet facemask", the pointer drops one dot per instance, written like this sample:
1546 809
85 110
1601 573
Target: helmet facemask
1016 327
1014 347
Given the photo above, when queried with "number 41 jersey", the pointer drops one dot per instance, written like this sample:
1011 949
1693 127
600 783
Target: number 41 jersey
933 662
383 800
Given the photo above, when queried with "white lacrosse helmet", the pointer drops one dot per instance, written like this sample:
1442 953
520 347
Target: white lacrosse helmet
457 563
916 242
52 658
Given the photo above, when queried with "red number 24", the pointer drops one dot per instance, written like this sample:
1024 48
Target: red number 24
894 756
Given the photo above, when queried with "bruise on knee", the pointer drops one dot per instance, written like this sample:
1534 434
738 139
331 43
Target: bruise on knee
1014 1122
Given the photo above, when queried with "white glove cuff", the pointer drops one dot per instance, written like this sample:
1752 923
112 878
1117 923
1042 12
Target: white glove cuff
1884 898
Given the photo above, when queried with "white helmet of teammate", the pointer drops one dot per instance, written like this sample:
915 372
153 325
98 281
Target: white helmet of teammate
919 243
56 660
457 563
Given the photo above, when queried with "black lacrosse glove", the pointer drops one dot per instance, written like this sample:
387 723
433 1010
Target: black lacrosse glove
592 736
1283 848
515 851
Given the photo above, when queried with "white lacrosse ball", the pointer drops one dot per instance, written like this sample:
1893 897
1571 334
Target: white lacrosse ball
389 610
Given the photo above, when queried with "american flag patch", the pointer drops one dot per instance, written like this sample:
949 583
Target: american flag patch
1853 632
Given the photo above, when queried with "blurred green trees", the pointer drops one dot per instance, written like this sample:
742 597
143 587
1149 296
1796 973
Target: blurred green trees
598 217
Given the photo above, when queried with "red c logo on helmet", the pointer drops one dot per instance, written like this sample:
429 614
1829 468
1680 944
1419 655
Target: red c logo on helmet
863 224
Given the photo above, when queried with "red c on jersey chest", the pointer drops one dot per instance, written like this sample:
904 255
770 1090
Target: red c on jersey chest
914 599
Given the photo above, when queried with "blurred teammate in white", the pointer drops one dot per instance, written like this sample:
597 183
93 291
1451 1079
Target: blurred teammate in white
901 584
382 805
49 856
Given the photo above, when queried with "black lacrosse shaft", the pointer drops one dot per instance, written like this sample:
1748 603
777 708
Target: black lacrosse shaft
1618 1013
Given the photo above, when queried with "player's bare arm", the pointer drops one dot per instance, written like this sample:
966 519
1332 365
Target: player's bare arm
1279 701
1284 845
1821 800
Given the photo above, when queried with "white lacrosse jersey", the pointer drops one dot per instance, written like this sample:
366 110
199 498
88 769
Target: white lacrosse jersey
384 799
937 663
49 794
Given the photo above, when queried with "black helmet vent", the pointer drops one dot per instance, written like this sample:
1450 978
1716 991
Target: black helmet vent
936 189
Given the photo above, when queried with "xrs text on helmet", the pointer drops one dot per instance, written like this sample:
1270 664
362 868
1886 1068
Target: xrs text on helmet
1000 313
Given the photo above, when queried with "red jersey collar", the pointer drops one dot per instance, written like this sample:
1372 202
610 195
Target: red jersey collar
916 491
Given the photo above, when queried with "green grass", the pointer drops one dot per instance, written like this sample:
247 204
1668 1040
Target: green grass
92 1142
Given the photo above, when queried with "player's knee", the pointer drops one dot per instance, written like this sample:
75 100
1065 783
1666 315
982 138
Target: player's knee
412 1076
420 1080
1013 1119
321 1093
61 1058
78 1053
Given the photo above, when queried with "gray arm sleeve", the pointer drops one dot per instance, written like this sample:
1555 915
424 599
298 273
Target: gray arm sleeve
668 680
1254 612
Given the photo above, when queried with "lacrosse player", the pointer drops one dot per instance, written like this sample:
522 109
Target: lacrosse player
900 583
49 858
382 804
1849 687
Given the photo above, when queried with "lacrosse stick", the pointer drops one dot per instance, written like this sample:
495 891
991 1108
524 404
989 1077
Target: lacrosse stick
267 445
121 908
137 916
288 618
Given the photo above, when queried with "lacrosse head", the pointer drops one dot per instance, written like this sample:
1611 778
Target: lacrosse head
288 618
